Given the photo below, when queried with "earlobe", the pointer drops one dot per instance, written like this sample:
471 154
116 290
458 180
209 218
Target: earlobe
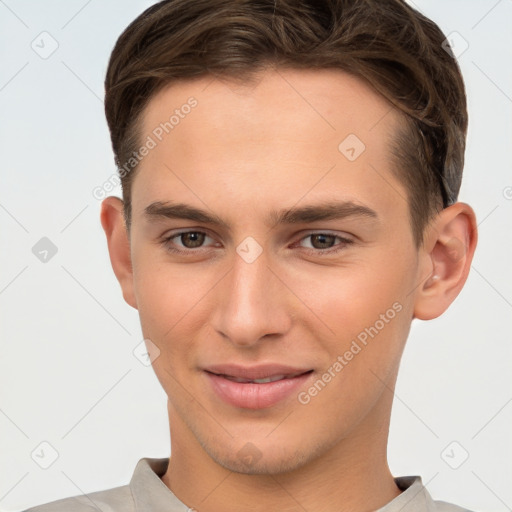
447 254
112 221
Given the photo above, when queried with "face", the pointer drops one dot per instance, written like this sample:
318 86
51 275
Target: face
270 240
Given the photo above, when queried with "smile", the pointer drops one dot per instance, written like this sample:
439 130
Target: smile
257 387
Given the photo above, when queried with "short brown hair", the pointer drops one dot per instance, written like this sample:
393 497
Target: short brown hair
387 43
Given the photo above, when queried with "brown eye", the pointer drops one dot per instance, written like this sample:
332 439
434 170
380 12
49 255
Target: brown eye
192 239
322 241
186 242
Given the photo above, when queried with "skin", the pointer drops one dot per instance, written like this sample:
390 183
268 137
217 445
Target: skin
243 151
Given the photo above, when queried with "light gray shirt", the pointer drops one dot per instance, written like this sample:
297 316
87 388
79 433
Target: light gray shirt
147 493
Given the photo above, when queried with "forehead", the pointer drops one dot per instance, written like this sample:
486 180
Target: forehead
287 134
327 100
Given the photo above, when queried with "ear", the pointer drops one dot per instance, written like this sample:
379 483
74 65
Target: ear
445 259
112 220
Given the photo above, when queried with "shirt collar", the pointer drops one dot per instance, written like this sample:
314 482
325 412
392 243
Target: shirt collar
414 497
150 493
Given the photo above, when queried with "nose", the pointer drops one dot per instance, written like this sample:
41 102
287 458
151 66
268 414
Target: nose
252 302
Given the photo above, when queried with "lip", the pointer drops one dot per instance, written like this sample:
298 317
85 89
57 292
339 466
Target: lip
255 372
248 395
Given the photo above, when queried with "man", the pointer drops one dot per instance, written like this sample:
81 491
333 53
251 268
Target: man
290 174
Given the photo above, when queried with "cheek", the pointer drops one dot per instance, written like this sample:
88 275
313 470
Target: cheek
166 304
352 297
172 302
162 298
368 324
362 312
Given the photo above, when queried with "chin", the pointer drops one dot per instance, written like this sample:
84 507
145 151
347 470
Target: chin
251 460
272 466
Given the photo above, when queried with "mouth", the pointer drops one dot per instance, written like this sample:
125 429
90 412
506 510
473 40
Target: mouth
264 380
256 387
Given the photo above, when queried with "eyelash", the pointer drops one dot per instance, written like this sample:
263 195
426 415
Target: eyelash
344 242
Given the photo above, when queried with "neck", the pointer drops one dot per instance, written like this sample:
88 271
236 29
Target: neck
353 475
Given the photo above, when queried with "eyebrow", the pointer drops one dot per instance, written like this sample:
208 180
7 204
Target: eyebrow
332 210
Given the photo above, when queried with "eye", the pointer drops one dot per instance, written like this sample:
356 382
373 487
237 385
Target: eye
188 240
325 243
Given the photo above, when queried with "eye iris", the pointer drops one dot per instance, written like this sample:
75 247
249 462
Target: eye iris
194 237
323 243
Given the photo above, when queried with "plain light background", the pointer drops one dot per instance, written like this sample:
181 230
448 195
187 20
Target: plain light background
68 375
